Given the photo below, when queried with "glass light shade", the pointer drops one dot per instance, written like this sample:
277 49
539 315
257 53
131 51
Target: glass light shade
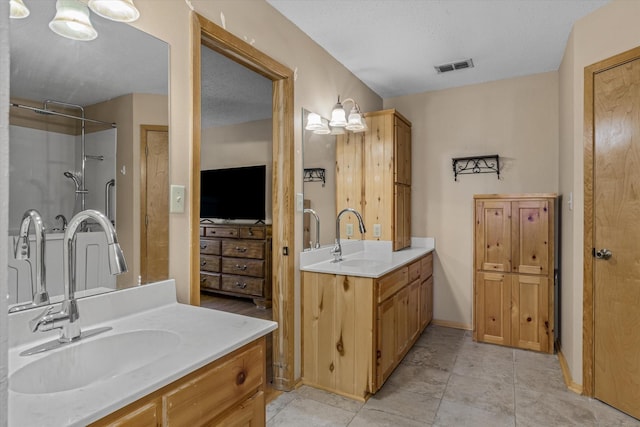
17 9
324 129
314 122
338 116
355 124
72 21
116 10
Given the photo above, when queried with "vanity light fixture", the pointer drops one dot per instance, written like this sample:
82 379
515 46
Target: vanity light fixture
72 21
355 122
116 10
18 10
317 124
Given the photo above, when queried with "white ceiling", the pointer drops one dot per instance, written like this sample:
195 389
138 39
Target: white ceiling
393 45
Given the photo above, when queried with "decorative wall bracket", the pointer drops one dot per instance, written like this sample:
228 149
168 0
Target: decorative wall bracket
476 164
314 175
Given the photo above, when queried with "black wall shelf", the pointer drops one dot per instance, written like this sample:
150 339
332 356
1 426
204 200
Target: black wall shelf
476 164
314 175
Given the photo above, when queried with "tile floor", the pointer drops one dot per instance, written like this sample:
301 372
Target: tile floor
449 380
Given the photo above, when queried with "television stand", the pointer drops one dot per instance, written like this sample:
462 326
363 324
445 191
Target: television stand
235 259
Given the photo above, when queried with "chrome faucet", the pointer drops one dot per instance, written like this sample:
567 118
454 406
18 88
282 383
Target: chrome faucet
317 218
337 249
65 318
63 220
23 253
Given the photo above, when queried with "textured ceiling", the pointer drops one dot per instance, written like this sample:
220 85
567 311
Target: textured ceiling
393 45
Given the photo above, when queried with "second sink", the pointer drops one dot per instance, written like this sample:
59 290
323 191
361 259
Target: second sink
86 362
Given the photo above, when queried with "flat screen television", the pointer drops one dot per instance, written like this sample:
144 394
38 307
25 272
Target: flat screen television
233 193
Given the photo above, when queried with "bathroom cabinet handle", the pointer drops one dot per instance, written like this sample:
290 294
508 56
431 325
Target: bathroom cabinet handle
203 246
241 267
239 249
203 263
241 285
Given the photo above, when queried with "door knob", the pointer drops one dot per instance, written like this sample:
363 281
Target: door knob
603 253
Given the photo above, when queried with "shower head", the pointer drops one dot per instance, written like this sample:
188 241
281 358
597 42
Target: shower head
74 177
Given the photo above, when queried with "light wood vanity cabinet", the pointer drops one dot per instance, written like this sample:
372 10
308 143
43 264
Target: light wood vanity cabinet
373 176
227 392
356 330
514 255
236 260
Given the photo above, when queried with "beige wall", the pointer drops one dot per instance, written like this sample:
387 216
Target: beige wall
515 118
608 31
129 112
243 144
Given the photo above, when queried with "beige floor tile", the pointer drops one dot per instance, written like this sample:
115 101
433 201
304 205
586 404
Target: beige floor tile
484 366
481 393
303 412
453 414
424 380
606 416
372 418
442 358
409 405
540 378
543 408
327 398
275 406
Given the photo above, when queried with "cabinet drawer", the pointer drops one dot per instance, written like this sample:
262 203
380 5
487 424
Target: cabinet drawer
252 232
208 395
210 263
222 231
243 249
426 265
414 271
243 266
243 285
210 246
203 231
392 283
209 280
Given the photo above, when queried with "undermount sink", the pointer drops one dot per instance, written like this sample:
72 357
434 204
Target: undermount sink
361 263
86 362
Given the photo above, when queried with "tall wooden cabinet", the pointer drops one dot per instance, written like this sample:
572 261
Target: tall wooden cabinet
514 262
373 176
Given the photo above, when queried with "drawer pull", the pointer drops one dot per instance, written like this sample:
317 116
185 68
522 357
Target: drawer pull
203 246
203 263
241 377
203 280
250 232
239 249
241 267
241 285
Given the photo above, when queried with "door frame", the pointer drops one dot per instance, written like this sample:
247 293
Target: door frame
143 194
588 319
217 38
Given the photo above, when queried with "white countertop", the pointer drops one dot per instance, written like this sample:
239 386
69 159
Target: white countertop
364 258
205 336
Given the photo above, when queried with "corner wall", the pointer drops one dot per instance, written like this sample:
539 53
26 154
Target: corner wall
608 31
515 118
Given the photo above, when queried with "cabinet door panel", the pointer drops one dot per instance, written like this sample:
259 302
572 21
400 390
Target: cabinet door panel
386 346
250 413
147 415
493 235
413 311
493 308
530 317
530 236
426 302
402 321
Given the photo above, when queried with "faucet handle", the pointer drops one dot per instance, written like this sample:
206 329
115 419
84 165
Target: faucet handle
34 324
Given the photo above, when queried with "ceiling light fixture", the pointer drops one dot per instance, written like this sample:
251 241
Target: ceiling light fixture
354 123
17 9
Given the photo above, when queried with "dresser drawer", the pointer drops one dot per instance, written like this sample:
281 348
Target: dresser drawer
243 248
427 266
243 266
221 231
243 285
210 263
209 280
210 246
252 232
414 271
206 396
392 283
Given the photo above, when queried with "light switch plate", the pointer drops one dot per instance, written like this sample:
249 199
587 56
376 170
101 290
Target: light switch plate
349 230
299 202
177 199
377 230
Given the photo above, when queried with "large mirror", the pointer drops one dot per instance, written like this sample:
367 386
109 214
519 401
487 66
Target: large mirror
319 185
60 164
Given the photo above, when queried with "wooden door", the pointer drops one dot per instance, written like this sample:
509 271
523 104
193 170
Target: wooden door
493 308
402 217
402 136
530 323
616 209
530 236
493 235
386 345
154 203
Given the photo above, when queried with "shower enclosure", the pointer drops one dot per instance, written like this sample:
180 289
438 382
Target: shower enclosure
61 162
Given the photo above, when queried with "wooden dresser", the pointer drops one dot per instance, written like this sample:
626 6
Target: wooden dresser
235 259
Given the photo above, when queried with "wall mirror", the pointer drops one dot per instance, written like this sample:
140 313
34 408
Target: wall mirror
319 185
119 91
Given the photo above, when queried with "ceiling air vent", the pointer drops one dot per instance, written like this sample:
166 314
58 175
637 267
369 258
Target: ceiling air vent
452 66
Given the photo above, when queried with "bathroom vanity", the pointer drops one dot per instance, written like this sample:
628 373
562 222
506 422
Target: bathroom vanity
362 315
162 363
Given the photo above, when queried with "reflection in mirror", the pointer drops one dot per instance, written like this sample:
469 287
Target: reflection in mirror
319 163
61 164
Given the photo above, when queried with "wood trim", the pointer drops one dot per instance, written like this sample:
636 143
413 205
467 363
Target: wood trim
516 196
588 362
225 43
450 324
143 191
566 374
